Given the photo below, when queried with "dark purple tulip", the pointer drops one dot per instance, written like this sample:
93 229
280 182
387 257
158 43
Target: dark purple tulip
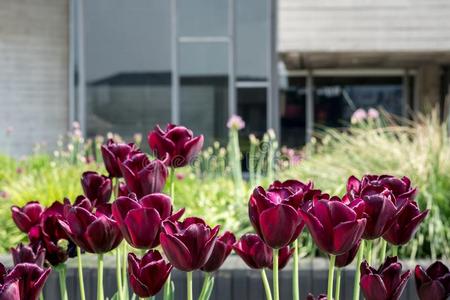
9 289
334 226
434 282
143 176
147 275
96 187
50 236
400 188
28 216
253 251
188 245
381 211
320 297
257 255
29 278
140 221
177 142
26 254
114 154
221 250
94 231
386 283
347 258
273 213
405 225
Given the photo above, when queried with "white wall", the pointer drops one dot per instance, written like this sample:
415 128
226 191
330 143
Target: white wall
364 25
33 72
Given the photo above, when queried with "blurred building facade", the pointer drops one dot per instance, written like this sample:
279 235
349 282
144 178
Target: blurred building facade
292 65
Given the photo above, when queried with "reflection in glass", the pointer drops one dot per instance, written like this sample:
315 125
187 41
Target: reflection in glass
337 98
204 89
252 36
252 107
202 17
293 113
127 65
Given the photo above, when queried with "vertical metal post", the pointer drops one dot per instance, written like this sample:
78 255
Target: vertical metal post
232 102
175 77
405 93
309 106
81 88
417 89
273 90
71 63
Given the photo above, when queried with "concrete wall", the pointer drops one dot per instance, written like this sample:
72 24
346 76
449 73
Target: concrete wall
33 72
364 25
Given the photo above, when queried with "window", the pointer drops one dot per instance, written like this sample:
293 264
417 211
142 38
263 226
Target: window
127 53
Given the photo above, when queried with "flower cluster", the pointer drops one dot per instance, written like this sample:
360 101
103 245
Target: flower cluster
129 205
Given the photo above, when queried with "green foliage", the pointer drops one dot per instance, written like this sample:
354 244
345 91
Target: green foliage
419 150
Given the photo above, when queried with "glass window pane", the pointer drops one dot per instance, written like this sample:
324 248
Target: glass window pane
337 98
204 89
252 107
293 112
127 47
252 36
202 17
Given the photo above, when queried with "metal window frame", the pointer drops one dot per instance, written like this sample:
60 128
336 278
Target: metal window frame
76 63
310 74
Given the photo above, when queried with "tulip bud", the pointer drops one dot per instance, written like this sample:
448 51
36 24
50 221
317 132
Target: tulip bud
175 142
405 225
148 275
221 250
188 245
434 282
334 226
27 216
385 283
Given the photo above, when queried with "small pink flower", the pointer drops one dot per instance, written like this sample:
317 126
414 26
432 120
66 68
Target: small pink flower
372 113
235 122
358 116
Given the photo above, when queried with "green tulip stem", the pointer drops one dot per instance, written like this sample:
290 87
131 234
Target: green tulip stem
369 252
337 294
124 253
276 288
41 296
295 288
172 184
119 272
100 295
61 268
266 284
206 286
116 187
383 250
167 289
359 259
394 250
330 276
80 274
189 285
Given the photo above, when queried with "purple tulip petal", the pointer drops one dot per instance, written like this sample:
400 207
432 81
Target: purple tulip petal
432 290
278 225
373 288
161 202
101 235
317 231
177 253
143 225
346 235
